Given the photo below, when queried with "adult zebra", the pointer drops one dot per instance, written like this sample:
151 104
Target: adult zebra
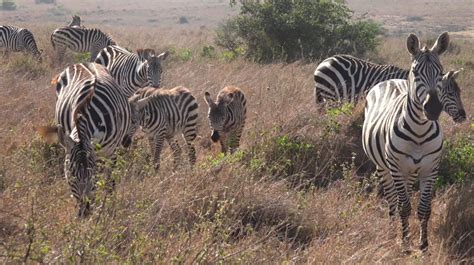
343 77
402 136
165 113
13 39
133 70
80 39
227 117
75 22
89 108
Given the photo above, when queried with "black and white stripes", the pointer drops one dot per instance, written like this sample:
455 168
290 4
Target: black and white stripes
402 136
80 39
13 39
89 109
165 113
132 70
227 117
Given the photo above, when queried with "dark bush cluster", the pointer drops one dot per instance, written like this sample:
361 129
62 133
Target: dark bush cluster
291 30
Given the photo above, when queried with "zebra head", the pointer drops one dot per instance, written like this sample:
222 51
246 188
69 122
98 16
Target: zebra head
425 75
217 114
450 95
154 69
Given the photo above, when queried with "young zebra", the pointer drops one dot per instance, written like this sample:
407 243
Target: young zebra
343 77
13 39
227 117
402 136
89 107
132 70
165 113
80 39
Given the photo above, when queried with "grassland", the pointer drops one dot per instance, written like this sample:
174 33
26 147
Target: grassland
299 191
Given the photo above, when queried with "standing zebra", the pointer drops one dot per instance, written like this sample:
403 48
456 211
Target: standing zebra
227 117
89 108
80 40
343 77
13 39
402 136
165 113
132 70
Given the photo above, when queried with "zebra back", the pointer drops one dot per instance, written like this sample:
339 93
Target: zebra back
347 78
19 40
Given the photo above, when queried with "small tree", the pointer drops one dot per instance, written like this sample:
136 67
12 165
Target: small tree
296 29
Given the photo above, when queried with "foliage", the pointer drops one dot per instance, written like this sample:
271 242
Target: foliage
208 51
183 20
8 5
82 57
457 163
290 30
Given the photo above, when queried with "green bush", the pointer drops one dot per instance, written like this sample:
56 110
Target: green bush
291 30
8 5
457 162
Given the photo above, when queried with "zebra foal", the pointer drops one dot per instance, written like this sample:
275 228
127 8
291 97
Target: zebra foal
227 117
163 114
402 136
13 39
89 109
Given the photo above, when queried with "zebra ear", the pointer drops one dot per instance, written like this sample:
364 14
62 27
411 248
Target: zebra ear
456 73
413 44
441 44
208 99
162 56
452 74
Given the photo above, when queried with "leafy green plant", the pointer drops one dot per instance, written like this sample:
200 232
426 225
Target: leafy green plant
185 55
291 30
457 162
82 57
208 51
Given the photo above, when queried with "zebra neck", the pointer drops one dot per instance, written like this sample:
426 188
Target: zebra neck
412 112
142 74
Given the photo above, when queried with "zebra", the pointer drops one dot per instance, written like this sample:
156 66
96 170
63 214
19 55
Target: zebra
75 22
164 113
343 77
89 107
227 117
402 136
18 40
80 39
133 70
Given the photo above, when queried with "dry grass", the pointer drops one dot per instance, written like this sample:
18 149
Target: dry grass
240 208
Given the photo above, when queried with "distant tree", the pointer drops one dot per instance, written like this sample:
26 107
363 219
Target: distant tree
290 30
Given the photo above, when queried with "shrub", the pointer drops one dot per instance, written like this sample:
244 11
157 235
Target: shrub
82 57
292 30
183 20
457 162
8 5
185 55
208 51
45 1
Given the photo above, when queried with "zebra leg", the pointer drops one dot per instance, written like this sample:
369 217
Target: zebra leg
223 141
158 141
176 151
404 207
189 138
389 191
234 141
424 208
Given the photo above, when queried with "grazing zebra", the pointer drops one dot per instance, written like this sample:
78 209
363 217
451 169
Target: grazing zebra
165 113
89 108
343 77
132 70
75 22
13 39
80 40
402 136
227 117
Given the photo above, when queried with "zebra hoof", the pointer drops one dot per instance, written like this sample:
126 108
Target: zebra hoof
424 246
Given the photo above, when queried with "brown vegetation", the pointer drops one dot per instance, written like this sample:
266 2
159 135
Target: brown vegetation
292 194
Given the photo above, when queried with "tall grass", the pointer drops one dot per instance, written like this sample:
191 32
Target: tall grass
294 193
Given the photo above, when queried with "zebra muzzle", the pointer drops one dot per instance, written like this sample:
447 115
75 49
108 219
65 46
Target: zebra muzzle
215 136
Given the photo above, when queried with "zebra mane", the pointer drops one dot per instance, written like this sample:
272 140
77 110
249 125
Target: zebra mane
144 54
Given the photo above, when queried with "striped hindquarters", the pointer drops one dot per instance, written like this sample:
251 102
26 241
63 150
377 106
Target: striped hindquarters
18 40
346 78
81 39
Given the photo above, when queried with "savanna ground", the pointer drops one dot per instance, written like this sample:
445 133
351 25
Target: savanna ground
299 191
